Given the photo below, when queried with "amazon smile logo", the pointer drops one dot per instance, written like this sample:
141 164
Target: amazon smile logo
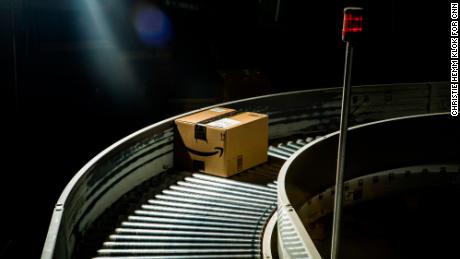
219 151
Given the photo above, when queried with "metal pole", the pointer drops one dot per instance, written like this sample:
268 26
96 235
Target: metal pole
15 65
341 153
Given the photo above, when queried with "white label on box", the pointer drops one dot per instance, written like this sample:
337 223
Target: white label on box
217 110
224 123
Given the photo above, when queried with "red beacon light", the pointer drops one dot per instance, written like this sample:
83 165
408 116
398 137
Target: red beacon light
352 24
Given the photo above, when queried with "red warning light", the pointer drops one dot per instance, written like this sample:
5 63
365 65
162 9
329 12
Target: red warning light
352 23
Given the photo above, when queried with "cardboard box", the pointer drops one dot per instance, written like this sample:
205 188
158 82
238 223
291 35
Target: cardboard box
221 141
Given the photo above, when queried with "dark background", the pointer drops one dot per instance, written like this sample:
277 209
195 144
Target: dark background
67 93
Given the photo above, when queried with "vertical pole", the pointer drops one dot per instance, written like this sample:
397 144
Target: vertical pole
341 153
15 65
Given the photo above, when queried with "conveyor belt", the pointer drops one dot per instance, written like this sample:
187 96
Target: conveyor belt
110 187
285 150
200 217
203 216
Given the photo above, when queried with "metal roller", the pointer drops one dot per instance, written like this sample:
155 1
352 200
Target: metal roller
212 256
188 222
223 204
211 198
200 207
286 148
177 244
148 238
279 151
294 145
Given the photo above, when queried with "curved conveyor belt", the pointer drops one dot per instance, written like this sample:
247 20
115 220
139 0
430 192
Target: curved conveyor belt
201 216
133 186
